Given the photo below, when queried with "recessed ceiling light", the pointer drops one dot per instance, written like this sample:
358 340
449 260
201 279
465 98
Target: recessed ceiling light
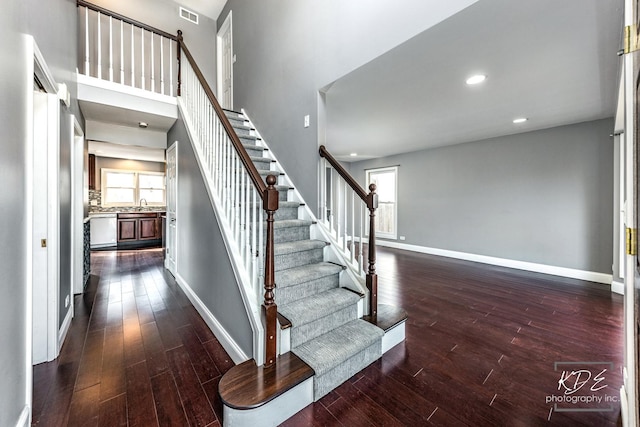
353 154
143 124
478 78
520 120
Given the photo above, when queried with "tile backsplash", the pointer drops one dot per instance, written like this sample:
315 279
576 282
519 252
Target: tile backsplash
95 205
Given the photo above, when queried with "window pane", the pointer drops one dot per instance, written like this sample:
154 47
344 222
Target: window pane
151 181
385 218
118 179
152 196
119 195
386 185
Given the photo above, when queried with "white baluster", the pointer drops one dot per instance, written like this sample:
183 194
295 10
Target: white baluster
110 49
254 228
170 68
86 42
352 249
99 48
142 85
121 52
133 60
153 66
162 66
346 231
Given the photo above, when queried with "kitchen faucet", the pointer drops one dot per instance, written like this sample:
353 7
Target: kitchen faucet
145 202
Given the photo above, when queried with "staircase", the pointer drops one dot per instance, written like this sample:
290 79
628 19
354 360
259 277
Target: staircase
326 331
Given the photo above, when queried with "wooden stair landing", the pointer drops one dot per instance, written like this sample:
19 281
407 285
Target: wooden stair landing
388 317
247 386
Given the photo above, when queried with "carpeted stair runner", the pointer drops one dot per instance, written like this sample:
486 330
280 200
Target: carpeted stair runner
325 330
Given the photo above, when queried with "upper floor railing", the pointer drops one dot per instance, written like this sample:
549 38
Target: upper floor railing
121 50
345 206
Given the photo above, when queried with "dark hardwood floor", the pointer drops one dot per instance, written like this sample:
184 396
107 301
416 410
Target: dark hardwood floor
481 348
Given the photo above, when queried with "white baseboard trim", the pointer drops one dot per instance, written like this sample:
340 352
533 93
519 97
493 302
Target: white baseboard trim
24 420
62 333
617 287
230 346
591 276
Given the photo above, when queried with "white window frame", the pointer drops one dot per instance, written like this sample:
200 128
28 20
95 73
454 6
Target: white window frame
393 169
136 191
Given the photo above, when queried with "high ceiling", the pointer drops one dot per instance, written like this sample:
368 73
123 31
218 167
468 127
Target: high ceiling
551 61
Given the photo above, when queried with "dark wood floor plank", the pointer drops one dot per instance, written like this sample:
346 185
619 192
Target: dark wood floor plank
194 400
89 373
153 348
112 378
84 408
168 406
113 412
202 363
141 409
211 390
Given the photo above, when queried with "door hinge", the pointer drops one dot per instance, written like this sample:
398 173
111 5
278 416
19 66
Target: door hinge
631 41
632 241
43 243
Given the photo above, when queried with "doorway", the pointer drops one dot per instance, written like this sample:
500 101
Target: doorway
172 202
225 59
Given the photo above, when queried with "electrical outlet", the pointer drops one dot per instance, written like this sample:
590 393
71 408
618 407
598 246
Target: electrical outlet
403 238
306 121
66 302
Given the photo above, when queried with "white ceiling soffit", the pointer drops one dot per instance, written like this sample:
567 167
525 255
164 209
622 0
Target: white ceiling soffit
130 152
551 61
209 8
125 117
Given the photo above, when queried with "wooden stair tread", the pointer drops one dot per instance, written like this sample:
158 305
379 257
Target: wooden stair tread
247 386
388 317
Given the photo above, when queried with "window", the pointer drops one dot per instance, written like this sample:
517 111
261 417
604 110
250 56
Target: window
128 188
386 181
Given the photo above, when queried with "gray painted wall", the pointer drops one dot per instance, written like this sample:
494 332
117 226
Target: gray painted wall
14 84
288 50
543 197
64 194
57 44
164 15
202 257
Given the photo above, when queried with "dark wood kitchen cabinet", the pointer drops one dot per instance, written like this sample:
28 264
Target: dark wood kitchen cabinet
139 228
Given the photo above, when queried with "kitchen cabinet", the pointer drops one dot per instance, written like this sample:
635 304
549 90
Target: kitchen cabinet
139 228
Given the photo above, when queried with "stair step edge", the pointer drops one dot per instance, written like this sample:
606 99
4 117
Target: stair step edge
333 348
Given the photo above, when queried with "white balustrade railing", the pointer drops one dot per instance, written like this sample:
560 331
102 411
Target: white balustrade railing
345 214
239 201
120 50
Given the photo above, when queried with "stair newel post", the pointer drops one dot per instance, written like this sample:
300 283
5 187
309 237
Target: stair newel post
179 50
372 277
269 307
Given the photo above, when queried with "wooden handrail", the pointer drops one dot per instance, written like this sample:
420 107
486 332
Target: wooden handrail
125 19
346 176
371 200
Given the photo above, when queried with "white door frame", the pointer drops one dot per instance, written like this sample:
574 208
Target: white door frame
171 226
77 210
45 223
227 27
631 274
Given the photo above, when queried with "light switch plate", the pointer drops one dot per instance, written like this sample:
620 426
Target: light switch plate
306 121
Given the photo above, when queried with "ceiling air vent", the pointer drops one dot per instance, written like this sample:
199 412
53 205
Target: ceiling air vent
188 15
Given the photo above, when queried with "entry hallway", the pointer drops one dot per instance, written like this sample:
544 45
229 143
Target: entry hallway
480 351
